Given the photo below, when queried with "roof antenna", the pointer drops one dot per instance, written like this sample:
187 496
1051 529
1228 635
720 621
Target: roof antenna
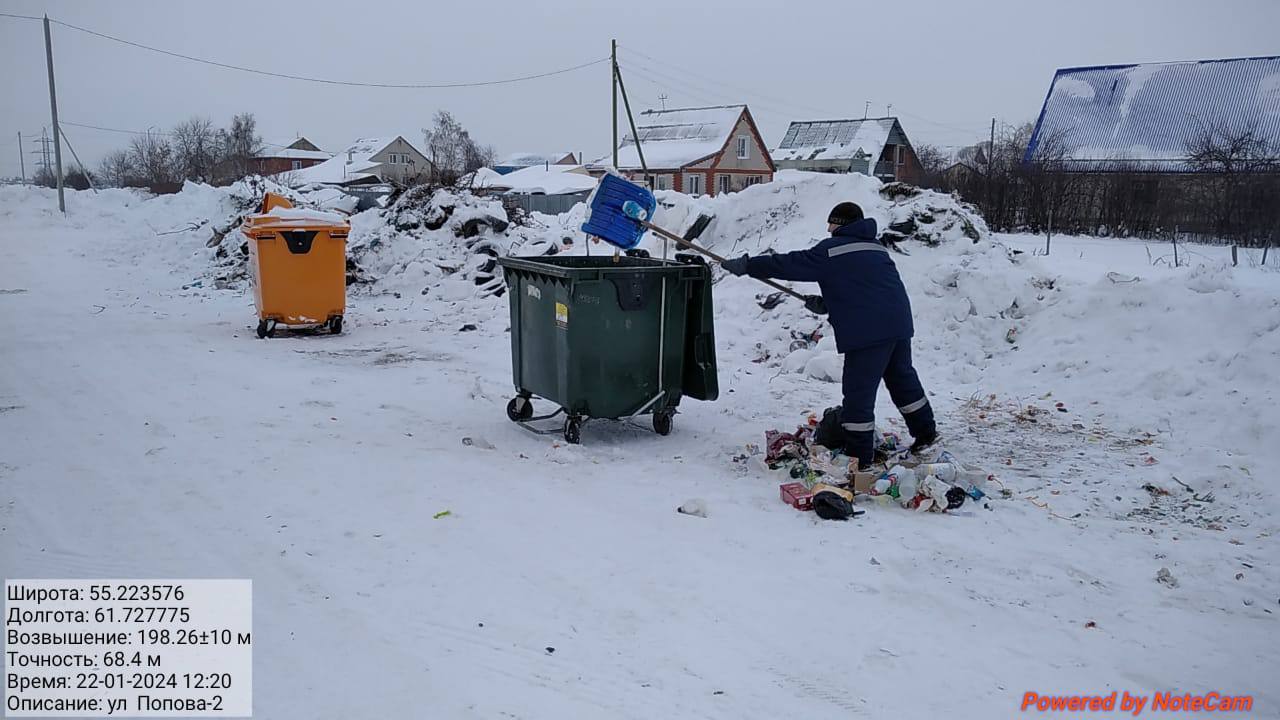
888 110
866 107
663 98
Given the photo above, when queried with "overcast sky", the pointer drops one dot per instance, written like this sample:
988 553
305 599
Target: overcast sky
946 66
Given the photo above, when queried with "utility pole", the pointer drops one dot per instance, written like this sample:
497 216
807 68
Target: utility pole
991 157
22 161
663 99
53 110
991 149
613 75
866 108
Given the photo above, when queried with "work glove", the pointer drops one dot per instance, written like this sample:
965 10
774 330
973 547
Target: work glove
735 266
815 304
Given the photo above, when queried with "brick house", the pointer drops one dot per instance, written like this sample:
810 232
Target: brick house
872 146
301 153
708 150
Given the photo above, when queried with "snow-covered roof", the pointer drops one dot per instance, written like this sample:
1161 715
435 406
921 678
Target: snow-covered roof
1144 115
525 159
672 139
486 179
347 166
552 180
293 154
835 139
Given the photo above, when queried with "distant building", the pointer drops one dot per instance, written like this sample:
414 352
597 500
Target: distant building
368 161
964 165
872 146
707 150
519 161
1140 118
299 154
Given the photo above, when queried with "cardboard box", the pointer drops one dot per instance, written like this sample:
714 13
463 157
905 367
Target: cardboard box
863 482
796 495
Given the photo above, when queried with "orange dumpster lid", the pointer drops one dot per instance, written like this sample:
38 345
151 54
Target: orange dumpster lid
281 218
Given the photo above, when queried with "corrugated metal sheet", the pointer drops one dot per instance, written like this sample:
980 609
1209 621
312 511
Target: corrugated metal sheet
1144 115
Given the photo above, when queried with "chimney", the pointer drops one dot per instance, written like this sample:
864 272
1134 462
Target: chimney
350 153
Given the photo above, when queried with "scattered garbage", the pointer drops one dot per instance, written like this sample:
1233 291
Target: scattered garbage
943 483
442 513
1164 577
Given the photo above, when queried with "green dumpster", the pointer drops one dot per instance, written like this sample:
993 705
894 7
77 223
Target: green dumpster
609 337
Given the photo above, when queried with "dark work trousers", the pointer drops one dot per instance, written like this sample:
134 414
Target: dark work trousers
863 370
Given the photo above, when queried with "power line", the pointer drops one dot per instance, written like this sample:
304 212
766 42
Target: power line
699 91
775 100
756 93
115 130
21 17
145 132
328 81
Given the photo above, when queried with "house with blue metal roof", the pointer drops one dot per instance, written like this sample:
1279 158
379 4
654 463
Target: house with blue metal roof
1143 117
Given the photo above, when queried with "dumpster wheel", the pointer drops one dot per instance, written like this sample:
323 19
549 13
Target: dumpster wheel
266 328
335 325
662 422
573 429
519 409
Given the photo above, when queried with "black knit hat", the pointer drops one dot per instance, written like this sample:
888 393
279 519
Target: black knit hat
845 213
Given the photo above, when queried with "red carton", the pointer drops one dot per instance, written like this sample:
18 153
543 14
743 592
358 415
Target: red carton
796 495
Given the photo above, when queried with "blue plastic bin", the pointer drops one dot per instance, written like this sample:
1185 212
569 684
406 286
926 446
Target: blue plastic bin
607 221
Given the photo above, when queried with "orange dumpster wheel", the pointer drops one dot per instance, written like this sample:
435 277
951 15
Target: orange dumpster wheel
335 325
266 327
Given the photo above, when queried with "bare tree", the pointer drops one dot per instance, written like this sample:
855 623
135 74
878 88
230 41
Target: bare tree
1233 163
117 169
932 162
152 157
196 150
240 143
452 151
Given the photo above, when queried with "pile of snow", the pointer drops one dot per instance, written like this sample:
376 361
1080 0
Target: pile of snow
438 243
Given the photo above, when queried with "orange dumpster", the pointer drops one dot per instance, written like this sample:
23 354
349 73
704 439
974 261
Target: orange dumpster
298 262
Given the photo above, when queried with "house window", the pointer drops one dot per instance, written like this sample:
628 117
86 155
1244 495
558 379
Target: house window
744 151
753 180
664 182
902 154
723 183
297 164
692 184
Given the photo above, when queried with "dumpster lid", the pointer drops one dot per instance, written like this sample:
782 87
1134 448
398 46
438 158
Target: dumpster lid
297 218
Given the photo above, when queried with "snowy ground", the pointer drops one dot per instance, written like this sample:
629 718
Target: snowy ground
147 433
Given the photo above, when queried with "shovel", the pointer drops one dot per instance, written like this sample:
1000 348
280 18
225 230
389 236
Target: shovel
633 210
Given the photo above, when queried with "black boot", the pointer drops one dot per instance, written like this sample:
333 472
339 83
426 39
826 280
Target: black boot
922 443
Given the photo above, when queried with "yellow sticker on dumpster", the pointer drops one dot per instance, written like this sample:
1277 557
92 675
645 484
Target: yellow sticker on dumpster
562 315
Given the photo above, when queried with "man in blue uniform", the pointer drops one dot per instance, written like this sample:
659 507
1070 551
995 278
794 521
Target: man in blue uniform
871 315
